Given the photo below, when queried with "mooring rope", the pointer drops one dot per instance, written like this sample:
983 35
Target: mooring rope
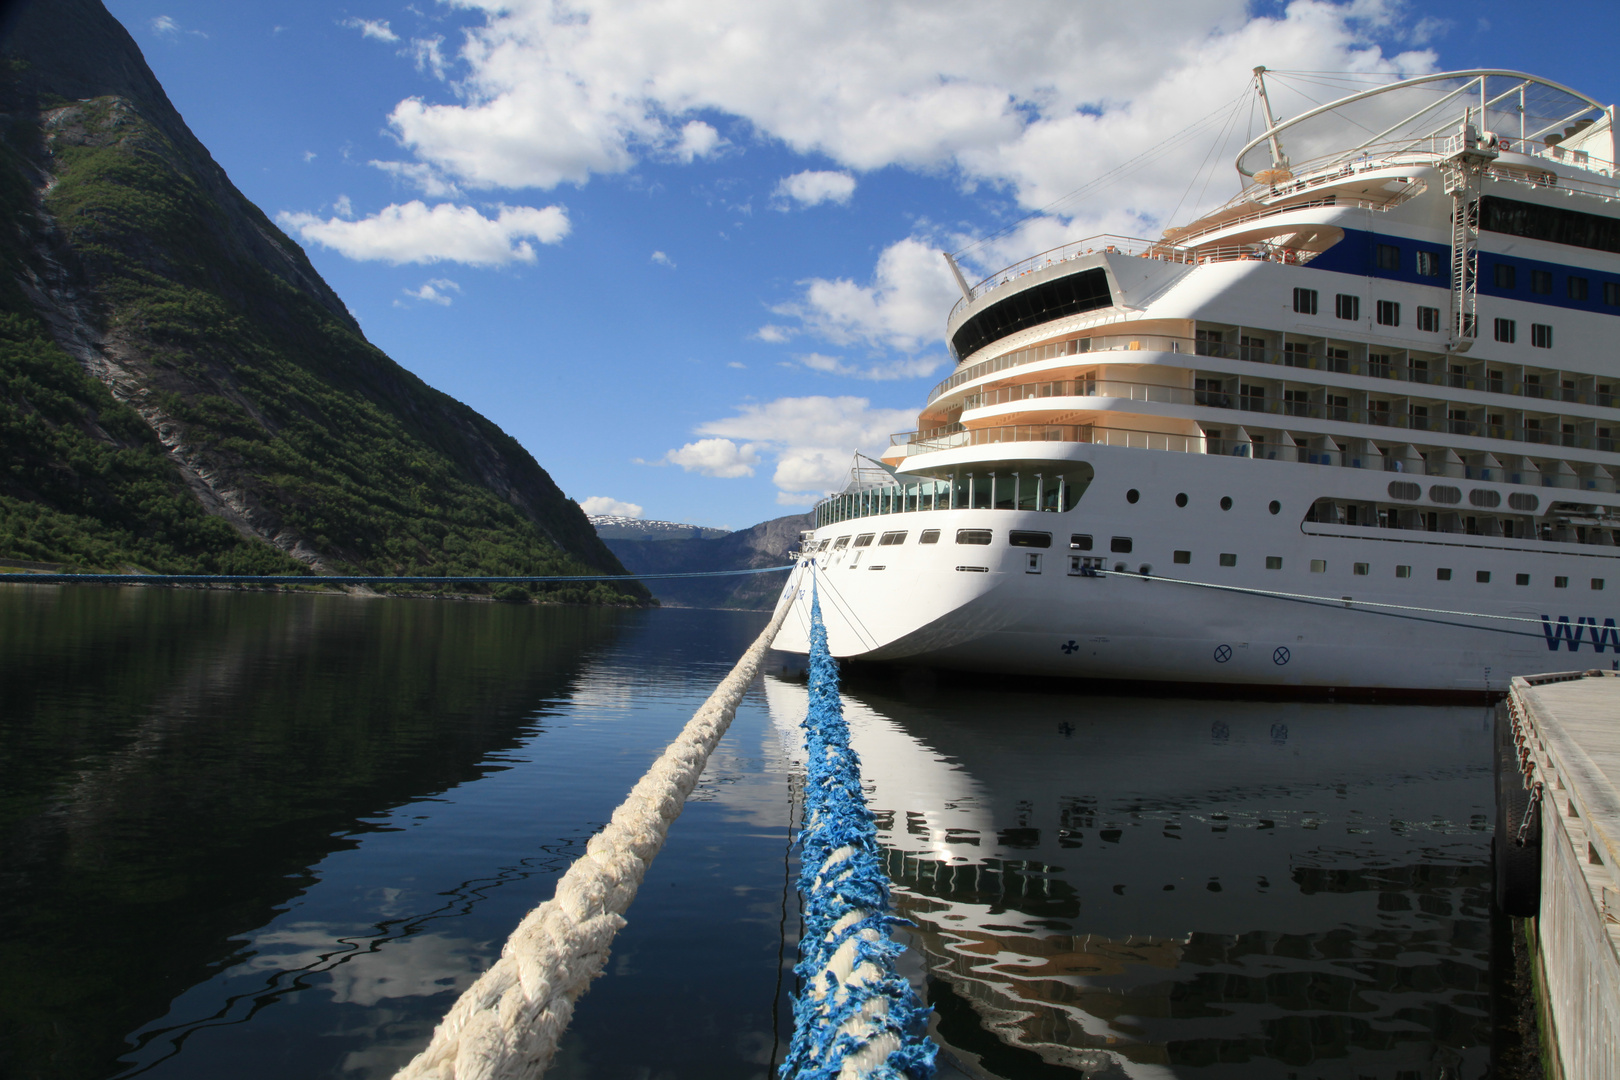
506 1025
855 1015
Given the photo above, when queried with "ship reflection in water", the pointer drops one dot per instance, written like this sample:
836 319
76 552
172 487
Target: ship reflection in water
1155 888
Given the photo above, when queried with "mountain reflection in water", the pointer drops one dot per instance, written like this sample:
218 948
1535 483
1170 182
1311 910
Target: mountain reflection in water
266 836
1160 888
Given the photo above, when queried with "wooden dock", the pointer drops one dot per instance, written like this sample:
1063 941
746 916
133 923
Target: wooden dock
1559 765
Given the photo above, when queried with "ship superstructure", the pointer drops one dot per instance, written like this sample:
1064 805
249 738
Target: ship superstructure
1355 428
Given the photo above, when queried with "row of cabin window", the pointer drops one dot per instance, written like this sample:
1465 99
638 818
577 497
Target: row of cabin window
980 537
1348 307
1361 569
1506 276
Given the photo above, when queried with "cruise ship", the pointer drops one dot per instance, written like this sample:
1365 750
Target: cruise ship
1352 431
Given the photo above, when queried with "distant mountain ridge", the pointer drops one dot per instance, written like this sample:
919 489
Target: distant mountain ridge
179 389
766 544
621 527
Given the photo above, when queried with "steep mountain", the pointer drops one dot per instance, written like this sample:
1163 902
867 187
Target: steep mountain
179 389
766 544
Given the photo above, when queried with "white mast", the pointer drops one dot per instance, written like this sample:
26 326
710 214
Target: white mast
1279 171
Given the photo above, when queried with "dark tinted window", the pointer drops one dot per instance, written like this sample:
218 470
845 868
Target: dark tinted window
1070 295
1541 282
929 536
889 539
1020 538
1120 544
864 540
1305 301
972 536
1389 257
1505 278
1079 542
1577 288
1554 223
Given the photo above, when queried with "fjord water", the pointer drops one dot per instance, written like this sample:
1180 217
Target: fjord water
270 836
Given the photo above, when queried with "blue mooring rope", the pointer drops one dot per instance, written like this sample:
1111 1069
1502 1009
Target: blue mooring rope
837 822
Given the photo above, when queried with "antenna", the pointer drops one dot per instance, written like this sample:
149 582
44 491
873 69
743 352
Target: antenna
1279 171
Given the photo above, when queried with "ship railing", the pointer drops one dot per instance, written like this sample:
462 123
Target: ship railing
1069 433
1321 408
1158 250
1190 239
1108 243
1319 354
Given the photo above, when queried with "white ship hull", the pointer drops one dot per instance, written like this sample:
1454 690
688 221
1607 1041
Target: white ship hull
1257 627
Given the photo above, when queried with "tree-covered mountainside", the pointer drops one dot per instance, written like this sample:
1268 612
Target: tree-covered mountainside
179 389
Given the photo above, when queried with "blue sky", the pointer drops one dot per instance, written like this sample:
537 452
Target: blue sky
686 251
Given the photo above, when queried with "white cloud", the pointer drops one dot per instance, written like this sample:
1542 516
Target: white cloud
601 504
309 156
715 457
663 260
166 26
416 233
774 334
812 187
1050 93
429 56
811 438
697 140
423 177
342 207
905 367
435 291
903 308
377 29
739 365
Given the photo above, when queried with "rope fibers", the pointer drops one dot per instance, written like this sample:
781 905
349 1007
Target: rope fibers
855 1016
506 1025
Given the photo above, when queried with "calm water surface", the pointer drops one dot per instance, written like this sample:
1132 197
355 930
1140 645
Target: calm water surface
268 836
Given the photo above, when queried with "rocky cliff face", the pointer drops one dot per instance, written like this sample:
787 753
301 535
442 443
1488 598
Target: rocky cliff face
766 544
180 390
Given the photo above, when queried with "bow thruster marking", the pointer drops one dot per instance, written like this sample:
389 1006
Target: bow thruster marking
1223 653
1281 655
1070 647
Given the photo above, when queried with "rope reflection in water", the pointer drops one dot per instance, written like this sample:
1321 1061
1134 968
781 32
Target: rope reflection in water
856 1016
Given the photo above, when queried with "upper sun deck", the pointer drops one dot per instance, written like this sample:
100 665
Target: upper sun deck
1372 150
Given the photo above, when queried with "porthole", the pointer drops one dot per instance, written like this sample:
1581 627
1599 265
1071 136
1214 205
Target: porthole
1404 489
1226 502
1276 507
1485 498
1132 495
1519 500
1181 499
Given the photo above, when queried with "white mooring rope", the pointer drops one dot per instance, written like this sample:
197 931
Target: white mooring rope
506 1025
